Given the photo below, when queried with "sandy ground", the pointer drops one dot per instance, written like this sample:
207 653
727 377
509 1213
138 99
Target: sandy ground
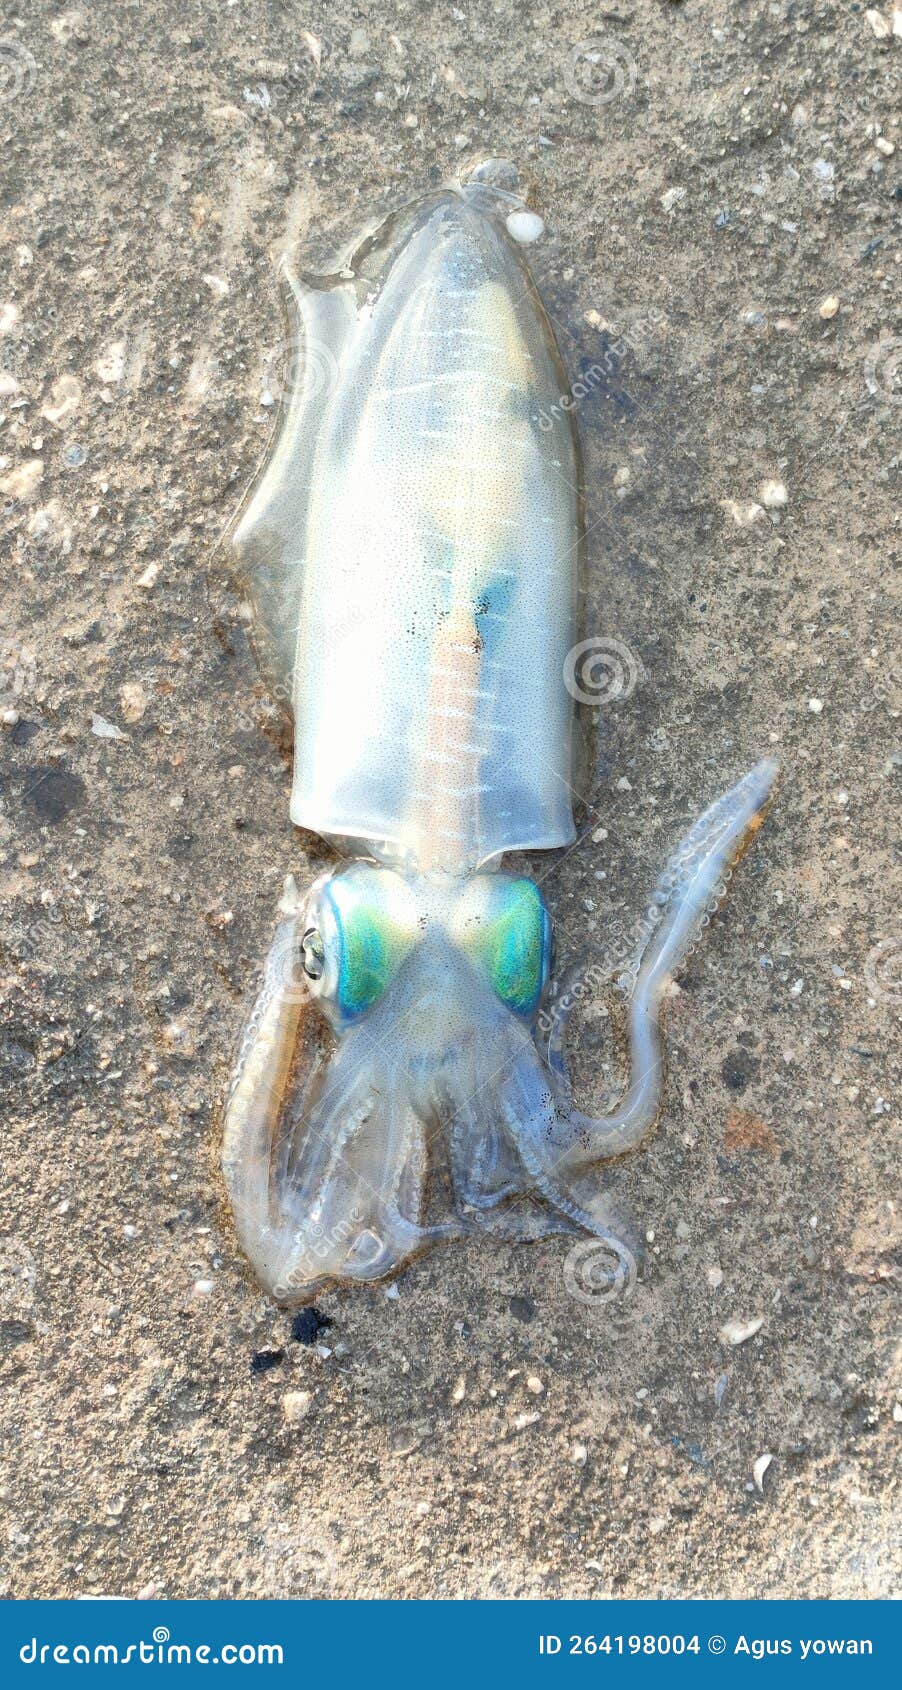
723 235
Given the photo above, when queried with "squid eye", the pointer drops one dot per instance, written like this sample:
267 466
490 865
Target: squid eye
504 927
359 930
313 954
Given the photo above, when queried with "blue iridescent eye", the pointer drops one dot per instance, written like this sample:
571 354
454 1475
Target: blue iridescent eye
504 927
360 927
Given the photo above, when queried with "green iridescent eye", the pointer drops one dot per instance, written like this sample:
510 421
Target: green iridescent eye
504 928
360 929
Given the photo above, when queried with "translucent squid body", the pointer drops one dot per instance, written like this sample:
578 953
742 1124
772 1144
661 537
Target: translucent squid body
412 550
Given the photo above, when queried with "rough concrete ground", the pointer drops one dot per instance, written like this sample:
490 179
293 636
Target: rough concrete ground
710 195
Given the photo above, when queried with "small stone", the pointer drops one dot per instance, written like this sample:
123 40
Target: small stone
884 146
815 705
64 400
149 577
735 1332
296 1406
203 1287
218 285
534 1385
460 1390
828 307
133 701
682 1229
743 513
23 482
110 366
672 198
879 25
773 495
579 1455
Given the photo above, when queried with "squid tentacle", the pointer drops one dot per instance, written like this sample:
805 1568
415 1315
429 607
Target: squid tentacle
690 889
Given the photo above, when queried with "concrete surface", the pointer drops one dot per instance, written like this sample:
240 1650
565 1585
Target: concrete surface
484 1432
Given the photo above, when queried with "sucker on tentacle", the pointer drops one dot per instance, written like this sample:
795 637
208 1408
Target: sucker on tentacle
411 551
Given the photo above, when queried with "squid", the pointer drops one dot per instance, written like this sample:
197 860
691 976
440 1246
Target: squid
411 549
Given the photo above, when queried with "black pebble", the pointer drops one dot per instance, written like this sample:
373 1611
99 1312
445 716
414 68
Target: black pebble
263 1360
308 1324
522 1308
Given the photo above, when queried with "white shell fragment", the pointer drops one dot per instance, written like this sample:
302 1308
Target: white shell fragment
104 729
759 1470
735 1332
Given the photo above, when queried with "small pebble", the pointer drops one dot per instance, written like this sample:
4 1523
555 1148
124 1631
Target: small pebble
773 495
735 1332
133 701
828 307
534 1385
579 1455
148 579
815 705
296 1406
878 24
